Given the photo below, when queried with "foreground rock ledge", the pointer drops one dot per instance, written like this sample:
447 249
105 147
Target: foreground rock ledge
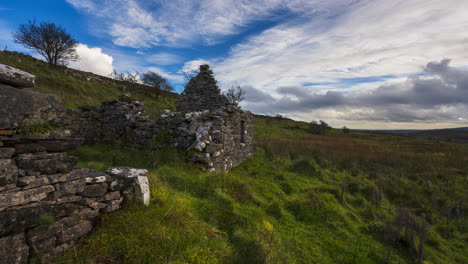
15 77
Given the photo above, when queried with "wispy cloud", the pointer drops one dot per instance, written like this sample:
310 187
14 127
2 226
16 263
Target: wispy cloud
164 59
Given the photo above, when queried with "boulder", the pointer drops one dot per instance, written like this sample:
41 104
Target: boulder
15 77
23 107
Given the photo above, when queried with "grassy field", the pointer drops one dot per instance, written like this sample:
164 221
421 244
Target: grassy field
336 198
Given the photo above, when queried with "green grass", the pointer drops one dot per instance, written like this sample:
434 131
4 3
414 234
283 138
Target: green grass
283 205
302 198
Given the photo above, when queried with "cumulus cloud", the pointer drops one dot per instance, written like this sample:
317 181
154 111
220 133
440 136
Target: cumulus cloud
92 60
439 96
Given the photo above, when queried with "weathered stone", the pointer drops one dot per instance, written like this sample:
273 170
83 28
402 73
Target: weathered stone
126 172
113 205
18 220
97 177
13 249
15 77
75 174
48 163
77 231
95 190
32 146
201 93
142 190
28 182
71 187
24 197
8 172
23 107
6 153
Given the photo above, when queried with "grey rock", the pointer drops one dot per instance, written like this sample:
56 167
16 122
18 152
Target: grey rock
23 107
95 190
80 230
13 249
24 197
6 153
8 172
71 187
47 163
16 77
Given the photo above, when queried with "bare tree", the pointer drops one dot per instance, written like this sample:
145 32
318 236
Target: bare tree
190 74
49 40
155 80
235 94
126 77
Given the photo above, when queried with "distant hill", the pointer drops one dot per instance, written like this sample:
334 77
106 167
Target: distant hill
458 134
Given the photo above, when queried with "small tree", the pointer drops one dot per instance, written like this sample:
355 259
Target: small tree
346 130
235 94
318 128
49 40
125 77
155 80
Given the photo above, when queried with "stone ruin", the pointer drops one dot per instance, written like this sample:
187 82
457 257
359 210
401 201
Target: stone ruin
215 134
46 204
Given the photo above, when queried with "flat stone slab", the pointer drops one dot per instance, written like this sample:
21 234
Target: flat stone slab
16 77
24 197
23 107
46 163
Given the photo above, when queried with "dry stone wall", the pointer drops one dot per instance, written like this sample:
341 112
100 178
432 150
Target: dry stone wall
46 204
110 121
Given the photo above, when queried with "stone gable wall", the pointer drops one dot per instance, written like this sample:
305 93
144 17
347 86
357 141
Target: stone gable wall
201 93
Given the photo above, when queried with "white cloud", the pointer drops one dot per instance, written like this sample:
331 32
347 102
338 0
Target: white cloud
193 65
93 60
164 59
139 23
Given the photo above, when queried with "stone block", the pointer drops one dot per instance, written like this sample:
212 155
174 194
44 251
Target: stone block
6 153
47 163
13 249
80 230
71 187
95 190
23 107
8 172
24 197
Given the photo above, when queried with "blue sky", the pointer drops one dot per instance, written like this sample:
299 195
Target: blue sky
359 63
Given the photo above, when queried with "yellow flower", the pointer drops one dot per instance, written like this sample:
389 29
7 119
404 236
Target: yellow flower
268 226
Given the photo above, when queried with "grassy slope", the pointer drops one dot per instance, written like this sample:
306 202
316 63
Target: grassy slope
75 88
284 205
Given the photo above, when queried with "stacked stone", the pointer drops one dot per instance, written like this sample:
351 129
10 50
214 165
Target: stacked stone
45 203
201 93
110 121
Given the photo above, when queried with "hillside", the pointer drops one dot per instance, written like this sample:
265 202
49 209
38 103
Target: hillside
362 197
79 88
